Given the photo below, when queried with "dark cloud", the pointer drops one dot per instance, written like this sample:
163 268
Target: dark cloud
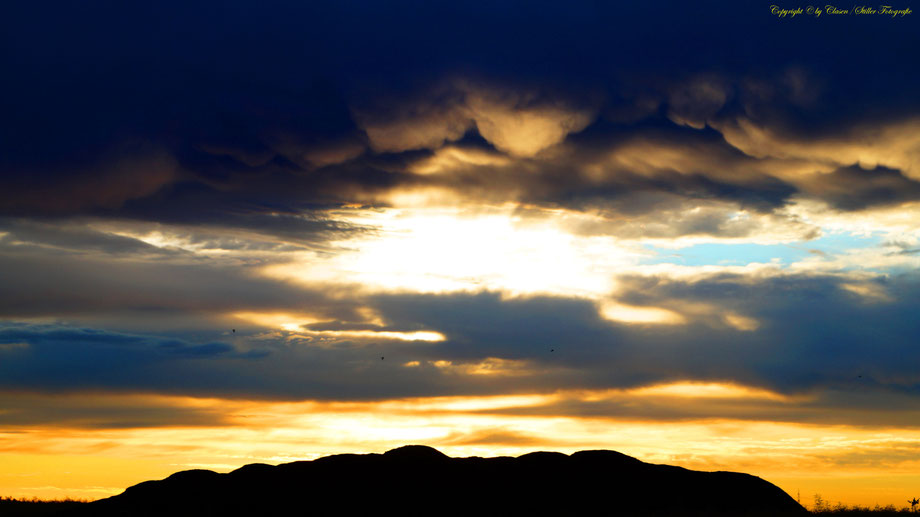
94 411
72 236
54 336
811 333
814 336
484 325
645 167
624 171
855 188
65 358
197 111
814 331
39 284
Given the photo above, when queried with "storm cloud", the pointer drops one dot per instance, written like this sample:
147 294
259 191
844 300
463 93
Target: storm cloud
211 111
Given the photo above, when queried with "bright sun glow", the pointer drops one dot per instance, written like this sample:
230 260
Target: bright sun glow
439 250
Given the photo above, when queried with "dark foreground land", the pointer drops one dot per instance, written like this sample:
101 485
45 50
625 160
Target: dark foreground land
418 480
20 508
24 507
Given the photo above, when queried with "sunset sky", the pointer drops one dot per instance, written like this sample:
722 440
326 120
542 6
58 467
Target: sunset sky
263 232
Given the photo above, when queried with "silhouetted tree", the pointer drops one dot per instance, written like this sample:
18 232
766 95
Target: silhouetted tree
820 505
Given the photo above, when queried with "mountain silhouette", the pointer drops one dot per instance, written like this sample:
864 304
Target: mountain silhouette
418 480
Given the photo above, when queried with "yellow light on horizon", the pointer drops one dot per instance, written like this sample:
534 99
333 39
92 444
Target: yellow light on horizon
49 461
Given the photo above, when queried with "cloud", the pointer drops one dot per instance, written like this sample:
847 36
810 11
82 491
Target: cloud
856 188
633 170
108 184
517 120
696 101
794 346
67 358
97 411
40 284
497 436
423 124
290 117
457 159
809 341
523 125
71 236
670 221
868 143
868 409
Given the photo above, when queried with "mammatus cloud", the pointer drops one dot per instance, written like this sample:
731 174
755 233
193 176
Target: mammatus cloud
516 121
212 130
694 102
495 140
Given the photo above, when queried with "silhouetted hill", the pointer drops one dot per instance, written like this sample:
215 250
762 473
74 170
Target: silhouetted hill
418 480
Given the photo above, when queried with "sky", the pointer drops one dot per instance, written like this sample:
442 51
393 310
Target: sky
238 232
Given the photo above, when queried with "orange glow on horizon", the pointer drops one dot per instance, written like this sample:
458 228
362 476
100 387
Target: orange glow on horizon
87 462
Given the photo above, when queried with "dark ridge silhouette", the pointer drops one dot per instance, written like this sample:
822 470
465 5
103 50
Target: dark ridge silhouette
419 480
